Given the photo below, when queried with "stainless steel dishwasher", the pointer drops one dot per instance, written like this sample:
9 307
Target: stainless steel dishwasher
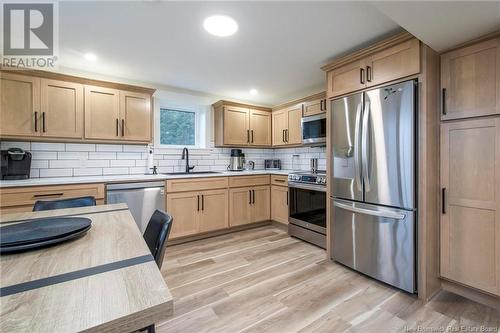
142 199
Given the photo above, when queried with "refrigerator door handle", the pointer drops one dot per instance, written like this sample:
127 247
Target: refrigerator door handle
357 169
381 213
364 147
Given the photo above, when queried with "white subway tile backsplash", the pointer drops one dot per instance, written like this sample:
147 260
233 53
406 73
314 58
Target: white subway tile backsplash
115 171
4 145
137 170
39 164
122 163
80 147
45 173
102 156
109 147
47 146
43 155
128 156
135 148
72 155
87 172
66 164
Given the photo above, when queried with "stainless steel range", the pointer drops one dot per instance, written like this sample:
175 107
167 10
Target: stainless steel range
307 207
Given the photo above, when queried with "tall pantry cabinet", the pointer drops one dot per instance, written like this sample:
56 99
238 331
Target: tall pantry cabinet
470 167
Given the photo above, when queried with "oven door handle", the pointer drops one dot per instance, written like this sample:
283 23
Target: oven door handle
380 213
310 187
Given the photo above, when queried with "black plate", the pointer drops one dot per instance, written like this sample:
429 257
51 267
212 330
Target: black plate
41 230
33 246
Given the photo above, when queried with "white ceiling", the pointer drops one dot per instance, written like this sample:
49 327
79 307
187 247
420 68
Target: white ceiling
279 48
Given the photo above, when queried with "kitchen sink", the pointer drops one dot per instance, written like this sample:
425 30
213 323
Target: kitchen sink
189 173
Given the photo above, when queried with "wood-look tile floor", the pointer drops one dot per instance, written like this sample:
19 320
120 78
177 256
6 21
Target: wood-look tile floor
262 280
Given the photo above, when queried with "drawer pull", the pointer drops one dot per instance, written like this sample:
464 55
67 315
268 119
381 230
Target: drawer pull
47 195
279 180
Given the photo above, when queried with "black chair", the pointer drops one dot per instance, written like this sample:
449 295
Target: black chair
63 203
156 235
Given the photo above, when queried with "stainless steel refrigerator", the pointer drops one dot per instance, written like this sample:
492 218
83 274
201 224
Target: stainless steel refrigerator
374 183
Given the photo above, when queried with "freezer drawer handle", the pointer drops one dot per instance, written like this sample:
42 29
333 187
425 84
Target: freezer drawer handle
388 214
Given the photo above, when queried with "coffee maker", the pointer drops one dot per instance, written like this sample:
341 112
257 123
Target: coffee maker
15 164
237 160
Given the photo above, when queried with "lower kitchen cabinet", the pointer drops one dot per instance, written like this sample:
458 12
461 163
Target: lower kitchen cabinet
279 204
470 221
248 205
197 212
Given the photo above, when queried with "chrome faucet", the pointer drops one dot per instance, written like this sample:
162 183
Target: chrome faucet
185 156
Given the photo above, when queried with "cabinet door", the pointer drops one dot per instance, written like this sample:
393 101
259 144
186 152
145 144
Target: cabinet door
236 126
102 113
279 204
393 63
280 123
261 203
260 128
135 112
470 81
314 107
214 212
294 130
184 208
62 109
20 105
470 222
346 79
239 206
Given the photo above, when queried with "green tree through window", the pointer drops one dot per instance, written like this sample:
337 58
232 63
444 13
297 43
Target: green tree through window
177 127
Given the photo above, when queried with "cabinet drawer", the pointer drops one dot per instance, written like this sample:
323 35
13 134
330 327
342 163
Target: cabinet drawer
241 181
26 196
196 184
279 180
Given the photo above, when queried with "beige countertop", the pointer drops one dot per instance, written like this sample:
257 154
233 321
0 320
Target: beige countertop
130 178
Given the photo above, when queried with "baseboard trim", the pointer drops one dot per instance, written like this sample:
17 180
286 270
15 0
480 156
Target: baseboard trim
472 294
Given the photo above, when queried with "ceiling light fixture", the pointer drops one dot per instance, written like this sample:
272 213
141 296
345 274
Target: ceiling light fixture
90 56
220 25
254 92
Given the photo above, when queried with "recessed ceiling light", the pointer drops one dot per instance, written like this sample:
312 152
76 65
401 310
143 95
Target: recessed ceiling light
220 25
90 56
253 92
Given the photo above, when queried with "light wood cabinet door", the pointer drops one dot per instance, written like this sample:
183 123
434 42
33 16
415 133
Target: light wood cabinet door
279 204
62 109
316 106
470 222
260 128
261 203
236 126
184 208
240 206
294 130
280 124
214 210
102 113
346 79
470 81
135 112
393 63
20 105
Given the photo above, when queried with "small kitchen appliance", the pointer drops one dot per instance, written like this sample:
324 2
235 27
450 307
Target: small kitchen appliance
272 164
15 164
237 160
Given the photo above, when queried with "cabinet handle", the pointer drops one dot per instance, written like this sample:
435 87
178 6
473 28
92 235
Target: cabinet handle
369 73
249 197
443 101
248 136
253 196
117 127
123 127
252 135
198 204
202 202
279 180
36 121
286 135
287 198
43 121
443 200
47 195
283 136
362 75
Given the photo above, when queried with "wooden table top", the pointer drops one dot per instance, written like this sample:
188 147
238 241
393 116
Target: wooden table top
106 280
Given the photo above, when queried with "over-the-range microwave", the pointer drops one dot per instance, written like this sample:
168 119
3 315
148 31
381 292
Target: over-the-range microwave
314 129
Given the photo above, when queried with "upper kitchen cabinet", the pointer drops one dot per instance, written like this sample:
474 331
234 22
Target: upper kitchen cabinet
470 81
61 109
287 125
51 106
102 113
315 106
135 116
239 125
20 105
389 60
